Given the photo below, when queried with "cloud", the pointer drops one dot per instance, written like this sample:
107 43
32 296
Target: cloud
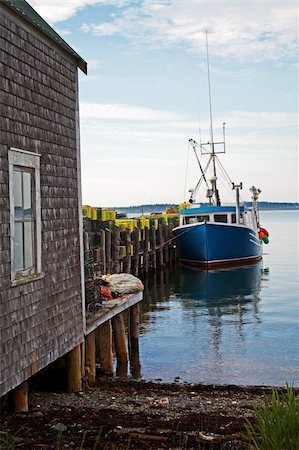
124 112
235 119
238 30
54 11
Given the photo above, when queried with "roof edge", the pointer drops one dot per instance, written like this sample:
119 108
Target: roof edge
23 9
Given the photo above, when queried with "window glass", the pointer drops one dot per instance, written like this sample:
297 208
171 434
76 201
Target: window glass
234 219
25 214
28 245
18 246
24 224
202 218
17 193
27 196
191 220
220 218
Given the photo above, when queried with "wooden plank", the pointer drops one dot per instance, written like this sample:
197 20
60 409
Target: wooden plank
111 309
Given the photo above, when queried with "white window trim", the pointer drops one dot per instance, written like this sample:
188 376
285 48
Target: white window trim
26 159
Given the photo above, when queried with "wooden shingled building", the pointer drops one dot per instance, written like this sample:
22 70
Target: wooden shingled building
41 252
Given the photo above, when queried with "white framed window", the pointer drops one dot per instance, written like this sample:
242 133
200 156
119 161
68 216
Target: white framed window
25 214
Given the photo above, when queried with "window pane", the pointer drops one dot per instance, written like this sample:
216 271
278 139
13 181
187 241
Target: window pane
220 218
27 195
17 193
18 247
28 245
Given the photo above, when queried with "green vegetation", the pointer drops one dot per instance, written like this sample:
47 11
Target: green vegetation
277 423
9 441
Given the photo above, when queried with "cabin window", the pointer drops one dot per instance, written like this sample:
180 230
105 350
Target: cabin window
195 219
202 218
234 218
25 218
190 220
220 218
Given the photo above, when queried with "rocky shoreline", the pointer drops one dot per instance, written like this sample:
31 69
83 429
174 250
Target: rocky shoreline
121 414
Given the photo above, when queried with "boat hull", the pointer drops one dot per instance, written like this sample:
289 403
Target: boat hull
211 245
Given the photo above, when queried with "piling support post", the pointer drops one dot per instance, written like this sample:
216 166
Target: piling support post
128 251
145 253
103 251
153 248
20 398
116 249
74 373
105 347
166 246
108 250
161 246
90 358
136 251
134 340
119 334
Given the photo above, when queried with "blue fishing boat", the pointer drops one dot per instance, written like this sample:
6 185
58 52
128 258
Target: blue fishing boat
212 235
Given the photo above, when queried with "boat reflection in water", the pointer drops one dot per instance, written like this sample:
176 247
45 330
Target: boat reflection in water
220 288
200 325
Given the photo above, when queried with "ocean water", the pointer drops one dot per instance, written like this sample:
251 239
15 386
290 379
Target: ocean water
237 326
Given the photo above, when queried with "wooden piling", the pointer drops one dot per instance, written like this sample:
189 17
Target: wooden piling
127 267
134 340
116 249
103 251
145 251
136 251
166 246
161 245
74 374
108 251
20 398
105 347
153 248
90 358
82 350
119 335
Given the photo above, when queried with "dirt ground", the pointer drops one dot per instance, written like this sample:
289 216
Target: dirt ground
118 414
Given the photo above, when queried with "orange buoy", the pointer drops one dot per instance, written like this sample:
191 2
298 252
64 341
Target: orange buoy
263 230
261 235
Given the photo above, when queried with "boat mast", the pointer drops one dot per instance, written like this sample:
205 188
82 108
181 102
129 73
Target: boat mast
214 179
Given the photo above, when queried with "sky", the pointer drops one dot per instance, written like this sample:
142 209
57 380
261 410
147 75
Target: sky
146 94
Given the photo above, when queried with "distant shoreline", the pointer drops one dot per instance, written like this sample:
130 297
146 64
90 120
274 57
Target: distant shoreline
161 207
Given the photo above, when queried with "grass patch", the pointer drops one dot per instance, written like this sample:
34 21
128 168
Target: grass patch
277 423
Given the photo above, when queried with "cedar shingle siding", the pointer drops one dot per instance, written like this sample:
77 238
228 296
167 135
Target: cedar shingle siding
39 320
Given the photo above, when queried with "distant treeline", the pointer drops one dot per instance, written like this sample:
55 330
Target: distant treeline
161 207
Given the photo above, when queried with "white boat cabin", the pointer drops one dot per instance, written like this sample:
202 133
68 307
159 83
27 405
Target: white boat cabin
217 214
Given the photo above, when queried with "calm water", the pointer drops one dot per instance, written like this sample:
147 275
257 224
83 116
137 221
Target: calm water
231 326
